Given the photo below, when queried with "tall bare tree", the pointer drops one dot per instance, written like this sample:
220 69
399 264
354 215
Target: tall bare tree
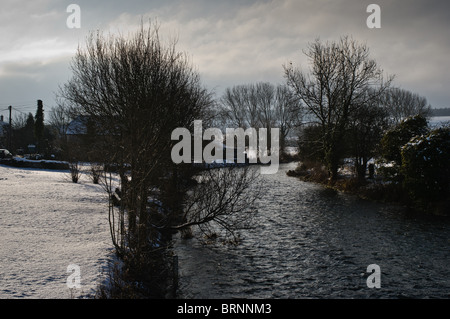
365 130
135 91
336 85
261 105
239 108
288 114
402 103
59 120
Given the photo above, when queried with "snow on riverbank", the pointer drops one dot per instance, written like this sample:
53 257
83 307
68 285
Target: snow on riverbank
46 224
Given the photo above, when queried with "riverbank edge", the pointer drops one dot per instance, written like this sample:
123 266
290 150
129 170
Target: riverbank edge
375 190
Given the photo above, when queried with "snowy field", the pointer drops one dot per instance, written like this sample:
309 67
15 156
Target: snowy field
439 121
46 224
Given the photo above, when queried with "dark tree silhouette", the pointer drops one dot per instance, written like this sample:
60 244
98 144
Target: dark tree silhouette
39 124
135 91
337 85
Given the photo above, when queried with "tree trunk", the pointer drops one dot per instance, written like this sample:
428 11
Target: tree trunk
361 167
332 161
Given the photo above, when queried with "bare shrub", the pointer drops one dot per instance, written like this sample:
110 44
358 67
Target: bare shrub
222 202
74 170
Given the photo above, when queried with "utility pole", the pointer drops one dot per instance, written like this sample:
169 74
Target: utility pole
10 127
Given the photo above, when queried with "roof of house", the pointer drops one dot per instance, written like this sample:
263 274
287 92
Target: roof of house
77 126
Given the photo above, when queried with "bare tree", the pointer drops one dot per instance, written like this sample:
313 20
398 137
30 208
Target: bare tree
261 105
402 103
367 125
59 119
23 131
239 107
223 200
336 86
136 91
19 121
288 114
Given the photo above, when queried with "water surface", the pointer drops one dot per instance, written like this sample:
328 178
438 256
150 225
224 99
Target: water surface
310 242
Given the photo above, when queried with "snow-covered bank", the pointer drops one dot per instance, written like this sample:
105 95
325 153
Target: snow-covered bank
438 121
39 164
46 224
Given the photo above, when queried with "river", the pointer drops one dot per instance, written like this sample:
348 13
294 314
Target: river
311 242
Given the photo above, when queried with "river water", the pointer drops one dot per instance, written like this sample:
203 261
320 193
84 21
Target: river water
311 242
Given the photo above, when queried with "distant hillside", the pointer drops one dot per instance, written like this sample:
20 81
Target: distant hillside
441 112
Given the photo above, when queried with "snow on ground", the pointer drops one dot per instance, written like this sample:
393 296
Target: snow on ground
46 224
438 121
291 150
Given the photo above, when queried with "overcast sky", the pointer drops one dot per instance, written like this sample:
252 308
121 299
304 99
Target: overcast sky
230 42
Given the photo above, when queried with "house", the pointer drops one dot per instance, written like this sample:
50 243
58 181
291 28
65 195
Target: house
83 126
77 127
83 130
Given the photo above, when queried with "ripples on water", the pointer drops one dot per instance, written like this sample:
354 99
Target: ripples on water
311 242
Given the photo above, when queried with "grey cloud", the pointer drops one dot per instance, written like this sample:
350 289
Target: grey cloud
234 42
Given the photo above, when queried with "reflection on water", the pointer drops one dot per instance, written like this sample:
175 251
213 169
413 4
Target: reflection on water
311 242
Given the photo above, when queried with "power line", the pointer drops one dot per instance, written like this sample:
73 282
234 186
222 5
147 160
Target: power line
22 109
19 111
16 109
24 105
21 106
